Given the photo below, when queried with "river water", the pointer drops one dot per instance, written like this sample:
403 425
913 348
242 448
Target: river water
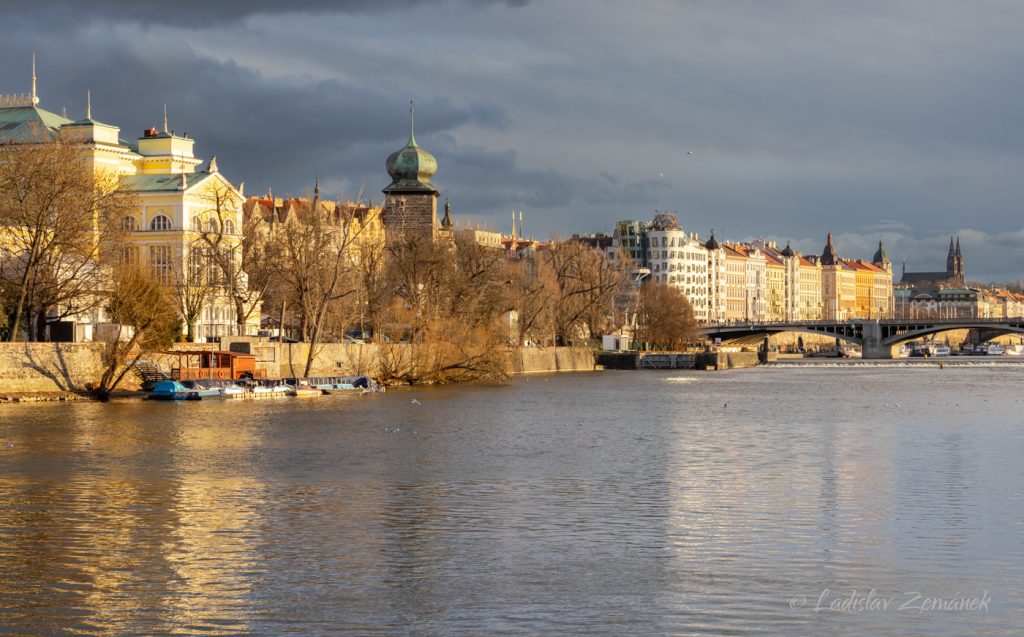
781 501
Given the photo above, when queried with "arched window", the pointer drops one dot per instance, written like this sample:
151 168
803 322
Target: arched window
197 224
229 226
160 222
129 224
211 226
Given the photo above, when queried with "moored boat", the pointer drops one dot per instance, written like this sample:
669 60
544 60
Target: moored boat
232 391
172 390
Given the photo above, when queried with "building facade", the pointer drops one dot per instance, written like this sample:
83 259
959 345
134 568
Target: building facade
180 206
679 259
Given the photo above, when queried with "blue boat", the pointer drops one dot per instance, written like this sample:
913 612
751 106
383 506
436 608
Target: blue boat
173 390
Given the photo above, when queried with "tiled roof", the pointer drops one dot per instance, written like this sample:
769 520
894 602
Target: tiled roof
28 124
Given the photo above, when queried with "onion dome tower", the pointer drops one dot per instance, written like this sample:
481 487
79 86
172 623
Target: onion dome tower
410 206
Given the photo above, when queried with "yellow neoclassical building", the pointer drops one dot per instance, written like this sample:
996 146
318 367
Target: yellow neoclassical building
180 206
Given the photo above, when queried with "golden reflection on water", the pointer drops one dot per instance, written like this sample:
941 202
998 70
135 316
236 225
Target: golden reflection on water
125 537
562 505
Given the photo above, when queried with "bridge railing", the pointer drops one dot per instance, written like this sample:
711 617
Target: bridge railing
857 322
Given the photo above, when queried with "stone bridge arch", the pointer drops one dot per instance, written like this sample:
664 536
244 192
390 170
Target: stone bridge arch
989 330
754 334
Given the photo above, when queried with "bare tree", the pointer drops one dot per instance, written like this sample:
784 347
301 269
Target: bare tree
665 317
312 258
145 321
58 216
236 246
193 283
534 298
445 314
588 285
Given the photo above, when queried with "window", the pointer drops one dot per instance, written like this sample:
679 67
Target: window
129 224
228 265
196 265
211 226
160 261
229 227
160 222
129 255
197 224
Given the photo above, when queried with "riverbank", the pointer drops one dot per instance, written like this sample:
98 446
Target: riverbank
37 372
42 397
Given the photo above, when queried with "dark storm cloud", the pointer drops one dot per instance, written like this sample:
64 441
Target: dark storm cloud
894 120
490 181
208 13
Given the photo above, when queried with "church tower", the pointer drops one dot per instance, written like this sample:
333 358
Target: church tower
410 205
881 259
951 260
959 274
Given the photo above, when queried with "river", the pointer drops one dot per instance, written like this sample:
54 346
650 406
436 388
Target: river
779 501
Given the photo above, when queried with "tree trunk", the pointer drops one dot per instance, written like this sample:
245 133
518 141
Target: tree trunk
40 321
312 349
240 315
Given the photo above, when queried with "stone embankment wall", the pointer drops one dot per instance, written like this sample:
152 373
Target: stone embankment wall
282 360
49 367
531 360
69 367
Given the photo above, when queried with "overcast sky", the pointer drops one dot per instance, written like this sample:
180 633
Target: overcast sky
872 119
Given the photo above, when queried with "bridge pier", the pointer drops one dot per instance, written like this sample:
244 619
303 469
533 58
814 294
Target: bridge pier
874 347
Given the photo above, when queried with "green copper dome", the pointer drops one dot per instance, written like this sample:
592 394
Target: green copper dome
412 167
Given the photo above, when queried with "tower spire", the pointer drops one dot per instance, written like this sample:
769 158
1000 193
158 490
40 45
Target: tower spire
35 98
88 103
165 118
446 222
412 127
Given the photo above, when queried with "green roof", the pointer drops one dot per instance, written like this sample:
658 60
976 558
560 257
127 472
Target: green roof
160 183
29 123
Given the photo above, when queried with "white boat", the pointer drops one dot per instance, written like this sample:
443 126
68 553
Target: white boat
232 391
993 349
939 350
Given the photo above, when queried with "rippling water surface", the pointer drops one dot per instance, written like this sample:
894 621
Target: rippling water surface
620 503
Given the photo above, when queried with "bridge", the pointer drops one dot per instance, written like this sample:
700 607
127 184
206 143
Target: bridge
878 338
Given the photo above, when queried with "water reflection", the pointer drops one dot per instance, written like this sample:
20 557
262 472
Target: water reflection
619 503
